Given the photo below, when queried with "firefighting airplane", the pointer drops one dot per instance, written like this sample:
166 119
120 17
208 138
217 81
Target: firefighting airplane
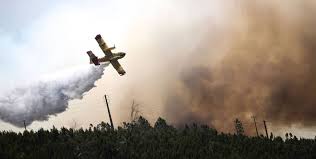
109 56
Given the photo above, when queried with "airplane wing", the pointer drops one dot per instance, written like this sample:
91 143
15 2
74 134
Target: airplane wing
118 67
103 46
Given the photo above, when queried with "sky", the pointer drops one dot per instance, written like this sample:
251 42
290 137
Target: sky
36 31
39 38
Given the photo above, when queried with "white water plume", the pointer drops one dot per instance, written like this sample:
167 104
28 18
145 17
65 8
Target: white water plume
48 96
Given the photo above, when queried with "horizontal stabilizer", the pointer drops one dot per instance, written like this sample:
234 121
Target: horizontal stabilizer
93 58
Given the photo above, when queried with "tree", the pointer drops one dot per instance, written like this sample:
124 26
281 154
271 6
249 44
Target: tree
239 127
161 123
135 112
139 140
291 135
271 136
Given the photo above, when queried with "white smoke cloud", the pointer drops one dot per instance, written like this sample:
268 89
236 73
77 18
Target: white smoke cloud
48 96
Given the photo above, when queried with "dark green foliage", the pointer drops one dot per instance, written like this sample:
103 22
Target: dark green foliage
139 140
239 128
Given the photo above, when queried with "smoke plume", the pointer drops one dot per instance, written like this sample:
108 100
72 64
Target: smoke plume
267 69
38 100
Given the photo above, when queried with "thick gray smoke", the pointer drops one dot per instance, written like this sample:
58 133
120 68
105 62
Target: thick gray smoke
40 99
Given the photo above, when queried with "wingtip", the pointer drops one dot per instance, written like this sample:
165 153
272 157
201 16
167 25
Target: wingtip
122 73
98 37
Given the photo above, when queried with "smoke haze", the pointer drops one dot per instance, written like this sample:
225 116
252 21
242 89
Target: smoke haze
267 69
38 100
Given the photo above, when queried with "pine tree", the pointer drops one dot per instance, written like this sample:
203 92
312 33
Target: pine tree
239 128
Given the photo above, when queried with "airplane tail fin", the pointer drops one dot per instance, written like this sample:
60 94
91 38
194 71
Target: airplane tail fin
93 58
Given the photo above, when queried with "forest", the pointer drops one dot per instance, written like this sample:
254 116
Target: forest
140 140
